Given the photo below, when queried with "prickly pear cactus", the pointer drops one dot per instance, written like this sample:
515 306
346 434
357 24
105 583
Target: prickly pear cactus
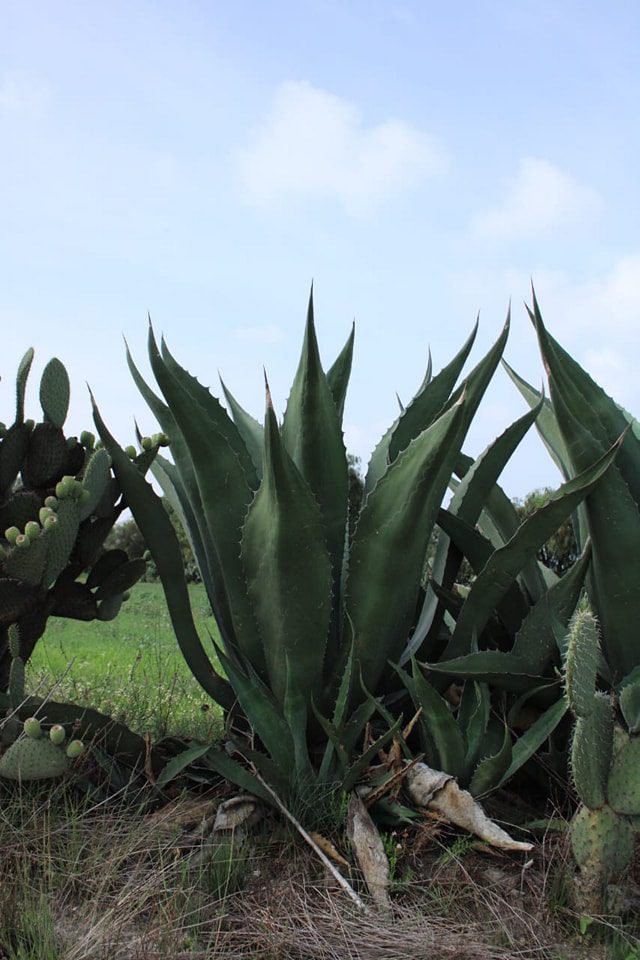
37 757
58 501
605 763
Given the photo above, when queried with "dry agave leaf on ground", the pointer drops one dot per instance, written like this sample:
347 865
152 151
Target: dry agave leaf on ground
369 850
440 792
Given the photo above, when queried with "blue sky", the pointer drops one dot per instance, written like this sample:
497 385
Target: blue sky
205 161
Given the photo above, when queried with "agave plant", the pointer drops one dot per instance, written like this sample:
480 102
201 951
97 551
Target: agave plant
309 619
500 640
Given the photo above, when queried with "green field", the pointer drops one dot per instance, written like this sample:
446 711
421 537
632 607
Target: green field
130 667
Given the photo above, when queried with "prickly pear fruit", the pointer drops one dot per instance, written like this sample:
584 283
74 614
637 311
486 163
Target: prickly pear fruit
22 540
87 439
51 502
57 734
75 749
11 534
32 728
32 530
130 452
50 522
146 443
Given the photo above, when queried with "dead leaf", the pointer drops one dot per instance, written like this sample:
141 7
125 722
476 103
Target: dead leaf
327 847
369 850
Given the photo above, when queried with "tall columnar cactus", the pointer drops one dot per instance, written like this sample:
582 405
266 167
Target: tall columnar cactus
605 763
58 502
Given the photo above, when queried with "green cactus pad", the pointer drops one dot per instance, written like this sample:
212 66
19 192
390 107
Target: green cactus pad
46 456
581 665
624 779
28 759
15 599
91 537
13 449
54 392
13 638
121 579
629 699
27 563
19 509
601 841
96 479
60 540
591 751
110 608
108 562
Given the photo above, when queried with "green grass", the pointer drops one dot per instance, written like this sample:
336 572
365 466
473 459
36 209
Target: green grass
130 667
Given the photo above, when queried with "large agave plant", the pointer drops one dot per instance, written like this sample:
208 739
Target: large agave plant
309 619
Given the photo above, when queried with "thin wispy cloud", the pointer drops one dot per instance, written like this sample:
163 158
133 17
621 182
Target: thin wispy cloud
539 198
314 145
269 333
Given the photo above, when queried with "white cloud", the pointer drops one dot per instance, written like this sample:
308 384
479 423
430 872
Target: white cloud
313 144
269 333
22 93
539 198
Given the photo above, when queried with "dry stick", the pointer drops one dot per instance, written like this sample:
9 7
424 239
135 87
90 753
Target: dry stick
348 889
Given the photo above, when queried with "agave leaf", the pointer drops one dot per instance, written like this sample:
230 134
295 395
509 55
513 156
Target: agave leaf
546 422
312 436
250 430
588 418
489 772
262 711
225 492
532 739
438 724
339 711
295 709
180 762
288 570
339 373
501 570
390 543
499 668
161 539
234 772
473 720
423 410
512 608
361 765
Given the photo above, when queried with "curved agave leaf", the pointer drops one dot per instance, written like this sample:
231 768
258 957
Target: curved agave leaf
250 430
505 564
490 770
225 493
390 543
443 742
339 373
546 423
312 436
288 570
532 739
588 418
425 407
161 539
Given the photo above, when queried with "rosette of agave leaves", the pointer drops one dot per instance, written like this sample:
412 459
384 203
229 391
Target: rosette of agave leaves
317 628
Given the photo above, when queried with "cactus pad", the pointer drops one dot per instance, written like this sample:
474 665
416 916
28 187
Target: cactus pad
54 392
29 759
582 663
591 751
601 841
46 457
624 779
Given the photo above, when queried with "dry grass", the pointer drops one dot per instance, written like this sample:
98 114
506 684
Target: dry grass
81 882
